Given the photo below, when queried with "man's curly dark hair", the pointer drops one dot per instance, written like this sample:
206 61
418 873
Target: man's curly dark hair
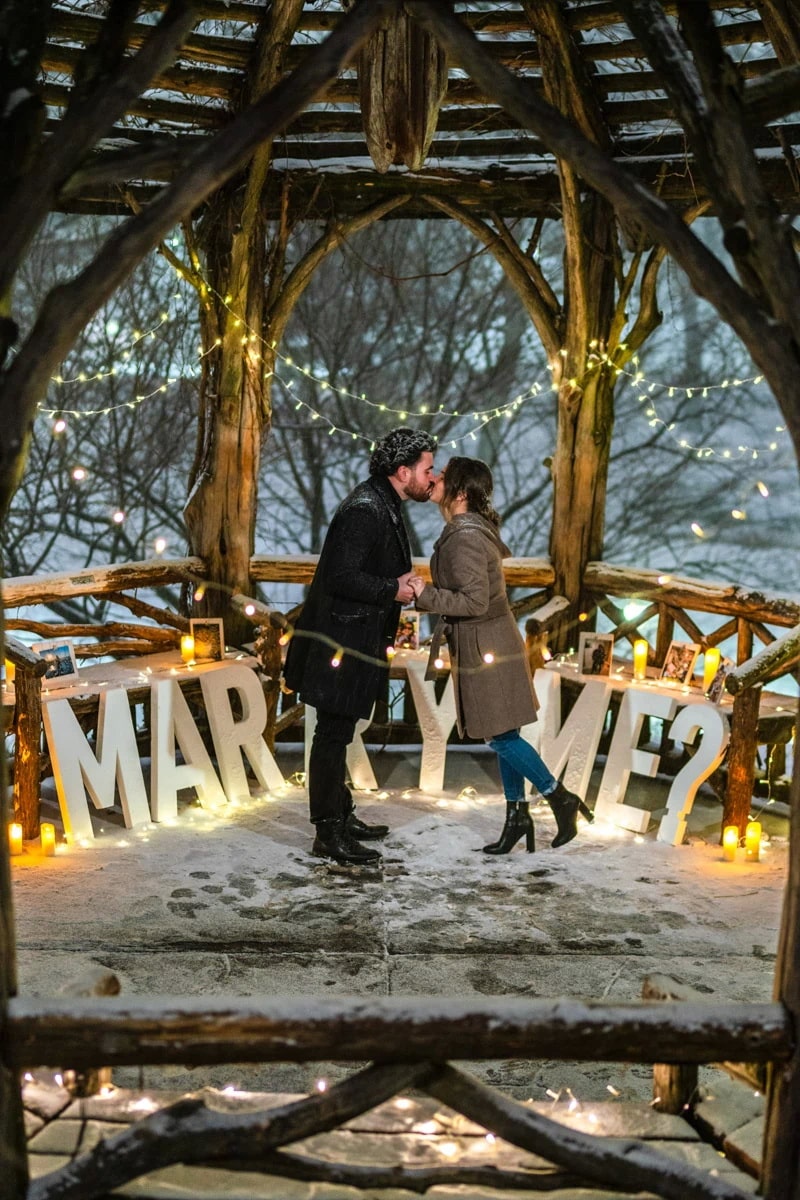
400 448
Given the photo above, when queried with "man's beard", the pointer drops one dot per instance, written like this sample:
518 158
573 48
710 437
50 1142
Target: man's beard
419 491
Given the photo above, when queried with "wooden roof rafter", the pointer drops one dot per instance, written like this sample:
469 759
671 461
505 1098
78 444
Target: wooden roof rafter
197 95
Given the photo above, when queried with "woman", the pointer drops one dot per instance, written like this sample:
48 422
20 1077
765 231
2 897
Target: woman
491 677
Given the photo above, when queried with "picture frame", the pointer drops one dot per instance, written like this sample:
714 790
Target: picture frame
407 636
716 689
209 638
59 654
679 662
595 653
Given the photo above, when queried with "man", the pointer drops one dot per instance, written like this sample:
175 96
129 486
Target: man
336 659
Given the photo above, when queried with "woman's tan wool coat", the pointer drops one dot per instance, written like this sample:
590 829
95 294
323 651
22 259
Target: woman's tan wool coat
469 592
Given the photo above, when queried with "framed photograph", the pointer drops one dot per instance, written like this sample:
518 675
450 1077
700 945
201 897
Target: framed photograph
595 652
209 639
407 637
679 663
59 655
716 690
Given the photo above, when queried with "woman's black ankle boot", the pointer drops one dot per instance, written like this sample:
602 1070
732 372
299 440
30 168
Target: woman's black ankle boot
518 824
566 806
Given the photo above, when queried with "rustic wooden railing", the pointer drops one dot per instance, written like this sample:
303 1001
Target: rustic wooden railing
669 598
410 1042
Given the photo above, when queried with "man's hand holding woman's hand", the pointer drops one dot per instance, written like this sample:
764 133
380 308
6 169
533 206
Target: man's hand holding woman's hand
409 587
405 592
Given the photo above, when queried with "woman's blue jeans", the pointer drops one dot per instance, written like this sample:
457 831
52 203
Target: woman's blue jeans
519 761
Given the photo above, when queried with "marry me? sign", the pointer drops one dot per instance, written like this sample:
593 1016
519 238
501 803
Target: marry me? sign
87 774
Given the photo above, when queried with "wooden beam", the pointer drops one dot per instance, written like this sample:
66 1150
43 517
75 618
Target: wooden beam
33 589
679 592
782 652
82 1033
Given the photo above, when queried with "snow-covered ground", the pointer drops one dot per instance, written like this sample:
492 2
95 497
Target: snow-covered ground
232 903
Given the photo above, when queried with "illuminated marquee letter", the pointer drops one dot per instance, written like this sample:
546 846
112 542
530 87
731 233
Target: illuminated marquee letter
78 770
234 738
623 757
172 722
436 721
689 721
570 747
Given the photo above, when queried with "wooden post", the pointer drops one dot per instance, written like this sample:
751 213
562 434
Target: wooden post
780 1177
13 1151
537 630
741 759
674 1084
28 732
664 632
95 981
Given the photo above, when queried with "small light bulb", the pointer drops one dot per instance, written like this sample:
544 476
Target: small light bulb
118 517
160 545
60 425
79 474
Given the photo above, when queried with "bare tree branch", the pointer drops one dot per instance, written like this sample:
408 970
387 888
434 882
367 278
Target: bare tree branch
86 121
628 1164
190 1132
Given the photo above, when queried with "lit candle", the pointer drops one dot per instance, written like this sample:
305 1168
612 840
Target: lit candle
187 647
752 841
640 659
47 834
15 838
710 666
730 842
11 671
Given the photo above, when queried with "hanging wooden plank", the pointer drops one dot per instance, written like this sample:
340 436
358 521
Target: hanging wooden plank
402 73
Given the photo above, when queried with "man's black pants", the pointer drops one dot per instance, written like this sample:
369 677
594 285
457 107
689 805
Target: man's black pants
327 765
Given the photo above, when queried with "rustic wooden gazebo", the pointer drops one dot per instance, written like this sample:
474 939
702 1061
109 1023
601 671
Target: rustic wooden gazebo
241 120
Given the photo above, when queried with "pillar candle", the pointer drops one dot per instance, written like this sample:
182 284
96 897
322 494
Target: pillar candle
11 671
730 842
710 666
15 838
640 659
187 647
47 834
752 841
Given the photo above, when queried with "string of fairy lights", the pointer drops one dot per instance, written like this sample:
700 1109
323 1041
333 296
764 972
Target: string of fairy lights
294 378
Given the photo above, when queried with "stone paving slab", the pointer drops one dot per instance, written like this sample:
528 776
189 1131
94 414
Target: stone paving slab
417 1132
